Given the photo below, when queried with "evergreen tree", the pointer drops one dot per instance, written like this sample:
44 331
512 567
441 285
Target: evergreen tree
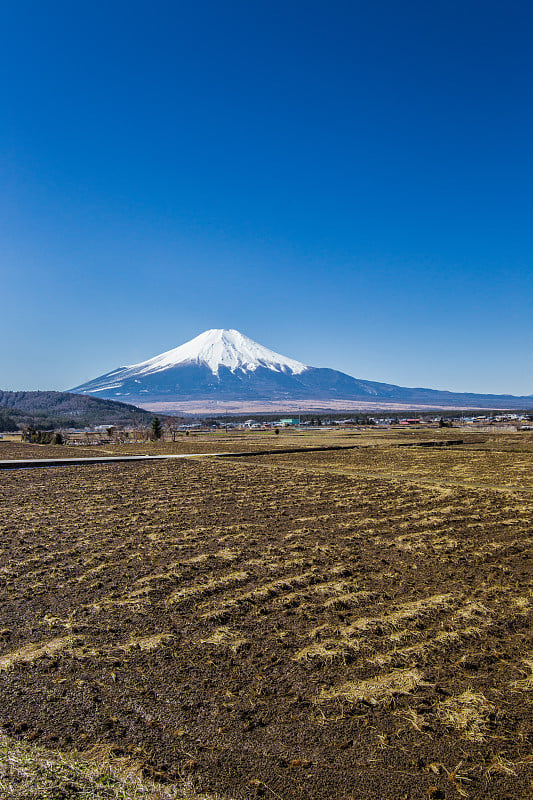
157 430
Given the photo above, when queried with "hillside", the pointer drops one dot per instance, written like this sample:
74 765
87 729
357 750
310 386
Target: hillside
64 410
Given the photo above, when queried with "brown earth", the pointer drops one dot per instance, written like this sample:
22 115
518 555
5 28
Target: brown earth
194 443
350 624
240 441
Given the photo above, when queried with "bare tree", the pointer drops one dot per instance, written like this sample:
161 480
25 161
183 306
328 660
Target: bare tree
171 426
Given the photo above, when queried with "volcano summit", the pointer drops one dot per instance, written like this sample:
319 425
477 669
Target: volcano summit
225 366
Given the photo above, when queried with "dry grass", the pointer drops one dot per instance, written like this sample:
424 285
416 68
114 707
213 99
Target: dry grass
260 594
207 587
324 652
28 772
497 463
466 713
526 684
376 690
31 652
225 637
406 613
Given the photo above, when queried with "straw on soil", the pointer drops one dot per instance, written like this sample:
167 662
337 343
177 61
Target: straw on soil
29 772
374 690
467 713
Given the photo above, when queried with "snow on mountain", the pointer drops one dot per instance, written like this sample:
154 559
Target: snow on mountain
220 348
224 365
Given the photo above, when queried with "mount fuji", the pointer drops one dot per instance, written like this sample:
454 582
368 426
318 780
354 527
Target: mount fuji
226 366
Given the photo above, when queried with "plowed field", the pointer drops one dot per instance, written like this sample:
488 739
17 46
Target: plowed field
306 627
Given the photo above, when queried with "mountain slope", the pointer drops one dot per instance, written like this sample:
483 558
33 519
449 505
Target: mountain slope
62 409
225 365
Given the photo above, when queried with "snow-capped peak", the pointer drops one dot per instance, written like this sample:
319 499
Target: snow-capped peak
220 348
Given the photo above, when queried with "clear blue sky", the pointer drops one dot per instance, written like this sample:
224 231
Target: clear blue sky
349 183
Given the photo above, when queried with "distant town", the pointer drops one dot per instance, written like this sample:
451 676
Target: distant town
171 428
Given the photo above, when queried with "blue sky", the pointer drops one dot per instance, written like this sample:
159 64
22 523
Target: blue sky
348 183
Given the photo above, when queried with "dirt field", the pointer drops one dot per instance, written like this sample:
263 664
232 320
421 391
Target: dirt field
232 441
194 443
318 626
